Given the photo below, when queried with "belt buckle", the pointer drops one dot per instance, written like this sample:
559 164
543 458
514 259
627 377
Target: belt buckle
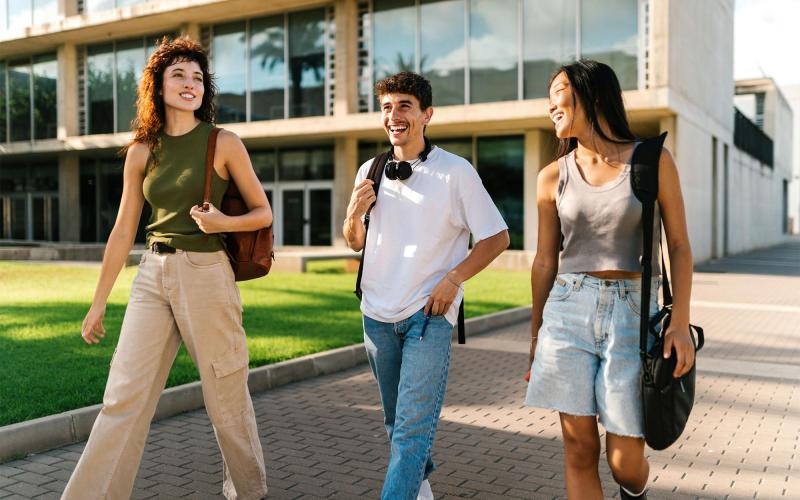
161 248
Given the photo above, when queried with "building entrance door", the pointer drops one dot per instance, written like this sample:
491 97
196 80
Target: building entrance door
304 214
29 216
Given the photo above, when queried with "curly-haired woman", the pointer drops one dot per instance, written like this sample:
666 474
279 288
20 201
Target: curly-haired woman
184 290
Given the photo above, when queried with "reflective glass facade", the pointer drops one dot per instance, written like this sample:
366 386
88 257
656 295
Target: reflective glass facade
113 71
476 51
28 107
609 34
17 14
273 67
92 6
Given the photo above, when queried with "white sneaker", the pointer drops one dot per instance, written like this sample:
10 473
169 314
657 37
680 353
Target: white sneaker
425 492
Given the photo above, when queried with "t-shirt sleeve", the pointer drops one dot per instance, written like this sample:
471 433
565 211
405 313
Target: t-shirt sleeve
363 171
476 209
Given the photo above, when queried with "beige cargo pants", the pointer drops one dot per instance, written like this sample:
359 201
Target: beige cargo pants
189 297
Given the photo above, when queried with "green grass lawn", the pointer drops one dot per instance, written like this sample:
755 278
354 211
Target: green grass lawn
46 368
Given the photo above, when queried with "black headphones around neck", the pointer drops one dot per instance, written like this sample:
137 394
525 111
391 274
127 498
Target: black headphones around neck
402 169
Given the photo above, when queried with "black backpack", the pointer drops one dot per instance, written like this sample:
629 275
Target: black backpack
376 174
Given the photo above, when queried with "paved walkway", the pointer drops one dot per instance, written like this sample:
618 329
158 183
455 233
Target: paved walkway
324 438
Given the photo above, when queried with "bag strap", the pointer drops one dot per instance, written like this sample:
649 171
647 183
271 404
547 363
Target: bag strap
376 174
210 150
644 182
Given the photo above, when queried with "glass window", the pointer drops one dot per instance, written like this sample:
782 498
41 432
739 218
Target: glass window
617 47
91 6
43 177
307 63
443 49
394 35
45 74
20 13
549 31
321 165
13 179
267 68
130 64
501 167
264 165
293 165
19 100
100 74
44 11
3 130
493 50
230 68
460 147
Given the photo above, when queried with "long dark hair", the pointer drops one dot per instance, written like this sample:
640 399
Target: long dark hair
150 110
597 87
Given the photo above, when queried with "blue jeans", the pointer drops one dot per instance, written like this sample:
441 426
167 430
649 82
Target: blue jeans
412 377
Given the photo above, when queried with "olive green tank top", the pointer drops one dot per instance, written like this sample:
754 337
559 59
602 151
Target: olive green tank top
174 184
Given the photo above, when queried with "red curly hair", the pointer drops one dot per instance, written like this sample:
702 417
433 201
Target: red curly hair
149 120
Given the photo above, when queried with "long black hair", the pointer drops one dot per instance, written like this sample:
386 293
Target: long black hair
597 87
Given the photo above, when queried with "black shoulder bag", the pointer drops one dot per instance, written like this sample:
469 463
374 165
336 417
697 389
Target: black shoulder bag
376 174
666 401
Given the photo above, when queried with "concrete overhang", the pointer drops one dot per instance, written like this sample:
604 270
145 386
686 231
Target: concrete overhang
644 107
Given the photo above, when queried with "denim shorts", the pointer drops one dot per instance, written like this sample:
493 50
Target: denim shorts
587 359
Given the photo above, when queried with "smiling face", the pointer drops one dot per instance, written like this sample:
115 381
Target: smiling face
183 86
565 109
403 119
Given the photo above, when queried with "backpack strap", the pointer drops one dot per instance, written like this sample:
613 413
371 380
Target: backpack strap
462 335
644 182
211 148
376 174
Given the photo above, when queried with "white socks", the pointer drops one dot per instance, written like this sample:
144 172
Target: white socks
425 492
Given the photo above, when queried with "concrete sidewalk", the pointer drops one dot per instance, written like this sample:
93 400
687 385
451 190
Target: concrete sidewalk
324 438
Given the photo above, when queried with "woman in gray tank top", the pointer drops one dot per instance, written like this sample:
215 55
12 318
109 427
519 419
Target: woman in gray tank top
586 279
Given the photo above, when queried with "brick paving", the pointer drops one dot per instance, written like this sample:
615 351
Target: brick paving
323 438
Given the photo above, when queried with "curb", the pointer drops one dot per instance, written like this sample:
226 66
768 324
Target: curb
41 434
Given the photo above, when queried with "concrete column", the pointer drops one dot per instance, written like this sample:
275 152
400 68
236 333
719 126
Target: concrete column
69 202
192 30
67 91
539 152
345 168
346 53
667 124
68 7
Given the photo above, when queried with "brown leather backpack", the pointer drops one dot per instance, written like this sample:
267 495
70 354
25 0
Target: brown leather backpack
250 252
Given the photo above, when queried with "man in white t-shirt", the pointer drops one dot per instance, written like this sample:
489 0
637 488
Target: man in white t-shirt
415 262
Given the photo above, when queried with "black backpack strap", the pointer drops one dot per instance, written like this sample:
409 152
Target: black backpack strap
462 334
644 182
376 174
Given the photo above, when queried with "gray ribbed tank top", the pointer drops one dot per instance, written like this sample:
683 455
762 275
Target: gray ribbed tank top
601 225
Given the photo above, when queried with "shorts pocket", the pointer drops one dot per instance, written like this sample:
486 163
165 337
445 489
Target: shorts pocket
560 291
634 301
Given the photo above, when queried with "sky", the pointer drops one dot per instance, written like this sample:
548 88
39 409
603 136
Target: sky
765 40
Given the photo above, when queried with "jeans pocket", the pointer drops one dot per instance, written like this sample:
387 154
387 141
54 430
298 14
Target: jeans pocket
561 290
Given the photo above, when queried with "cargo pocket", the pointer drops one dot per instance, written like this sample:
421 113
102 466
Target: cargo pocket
230 380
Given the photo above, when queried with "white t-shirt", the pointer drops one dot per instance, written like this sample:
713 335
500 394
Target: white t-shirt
419 231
